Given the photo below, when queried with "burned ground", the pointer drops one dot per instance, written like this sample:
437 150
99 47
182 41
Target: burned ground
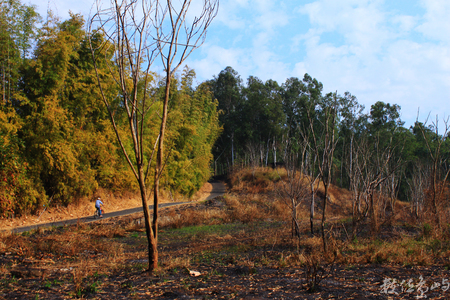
238 246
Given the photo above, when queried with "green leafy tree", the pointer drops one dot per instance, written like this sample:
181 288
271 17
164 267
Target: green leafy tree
17 29
262 118
227 89
17 32
193 128
298 98
351 123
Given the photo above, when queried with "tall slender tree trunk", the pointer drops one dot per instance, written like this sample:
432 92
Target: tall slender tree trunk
3 86
274 153
322 225
351 163
152 242
311 215
160 156
435 193
295 226
373 212
232 149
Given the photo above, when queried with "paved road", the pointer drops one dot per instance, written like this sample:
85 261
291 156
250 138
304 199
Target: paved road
218 189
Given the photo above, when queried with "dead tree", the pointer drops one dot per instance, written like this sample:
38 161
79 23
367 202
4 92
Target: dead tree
323 145
294 189
372 166
417 187
358 171
308 167
313 182
438 180
130 36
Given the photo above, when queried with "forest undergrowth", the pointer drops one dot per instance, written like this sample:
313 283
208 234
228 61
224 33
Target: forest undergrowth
239 246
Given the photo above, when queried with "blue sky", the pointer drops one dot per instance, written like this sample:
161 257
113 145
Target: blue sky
396 51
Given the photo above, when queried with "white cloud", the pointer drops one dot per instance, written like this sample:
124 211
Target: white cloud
227 14
360 23
213 59
436 23
255 26
404 23
268 66
377 61
270 17
299 70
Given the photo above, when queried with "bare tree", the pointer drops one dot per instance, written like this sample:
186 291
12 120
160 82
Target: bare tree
372 166
384 164
293 188
358 184
323 146
313 181
417 187
129 36
253 154
392 187
308 167
438 180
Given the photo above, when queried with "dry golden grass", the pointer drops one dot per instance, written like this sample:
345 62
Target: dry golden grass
78 252
179 262
171 218
241 233
244 209
64 243
255 180
84 207
252 186
270 183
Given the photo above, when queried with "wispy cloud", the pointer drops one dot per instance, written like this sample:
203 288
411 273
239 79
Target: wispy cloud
397 52
399 59
436 24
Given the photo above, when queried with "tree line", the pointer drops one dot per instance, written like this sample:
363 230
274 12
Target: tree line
330 138
56 140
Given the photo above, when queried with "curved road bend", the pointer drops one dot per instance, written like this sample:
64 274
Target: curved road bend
218 189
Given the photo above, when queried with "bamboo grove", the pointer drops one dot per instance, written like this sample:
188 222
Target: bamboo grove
56 140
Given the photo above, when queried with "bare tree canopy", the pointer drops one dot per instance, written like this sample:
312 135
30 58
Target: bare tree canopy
135 38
